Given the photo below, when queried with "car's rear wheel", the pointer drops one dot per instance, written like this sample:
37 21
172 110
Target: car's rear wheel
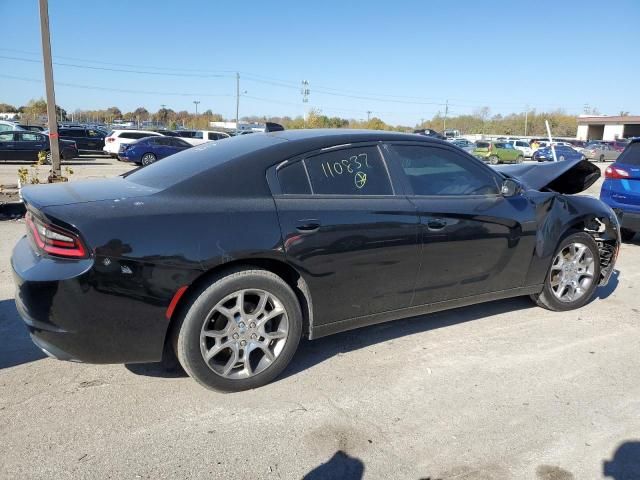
494 160
602 158
240 332
520 159
148 159
573 276
626 234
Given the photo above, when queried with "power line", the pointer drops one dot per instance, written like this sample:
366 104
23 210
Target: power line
119 90
358 95
108 69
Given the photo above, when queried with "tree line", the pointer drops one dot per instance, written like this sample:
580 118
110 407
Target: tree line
479 122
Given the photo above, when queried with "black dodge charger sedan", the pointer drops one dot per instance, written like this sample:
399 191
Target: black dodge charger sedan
229 252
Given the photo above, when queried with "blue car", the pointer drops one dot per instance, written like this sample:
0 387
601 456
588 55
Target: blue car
562 153
621 189
149 149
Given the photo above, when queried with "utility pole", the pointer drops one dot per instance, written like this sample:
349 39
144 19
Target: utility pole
52 118
237 101
446 111
526 118
368 116
196 102
162 106
304 91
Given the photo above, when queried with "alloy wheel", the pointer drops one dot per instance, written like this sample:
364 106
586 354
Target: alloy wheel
244 333
572 272
148 158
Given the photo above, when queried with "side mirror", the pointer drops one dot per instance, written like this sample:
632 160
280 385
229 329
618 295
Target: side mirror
510 188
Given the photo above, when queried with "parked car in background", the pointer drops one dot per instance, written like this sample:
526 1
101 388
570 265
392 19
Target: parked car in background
314 212
150 149
464 144
6 125
451 134
497 152
619 144
116 138
166 133
198 137
25 145
32 128
621 189
87 139
600 152
563 152
523 146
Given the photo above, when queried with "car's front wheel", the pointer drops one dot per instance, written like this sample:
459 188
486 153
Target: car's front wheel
573 276
240 332
520 159
494 160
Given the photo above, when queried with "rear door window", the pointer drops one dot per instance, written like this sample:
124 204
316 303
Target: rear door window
631 154
350 171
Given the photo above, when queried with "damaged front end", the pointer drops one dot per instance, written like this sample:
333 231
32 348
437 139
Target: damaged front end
559 212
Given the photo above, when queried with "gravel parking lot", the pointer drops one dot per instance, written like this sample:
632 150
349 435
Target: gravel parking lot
495 391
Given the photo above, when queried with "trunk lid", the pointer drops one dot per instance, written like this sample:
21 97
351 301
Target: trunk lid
42 196
567 177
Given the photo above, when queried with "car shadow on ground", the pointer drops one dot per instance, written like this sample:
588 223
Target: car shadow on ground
609 288
317 351
311 353
16 346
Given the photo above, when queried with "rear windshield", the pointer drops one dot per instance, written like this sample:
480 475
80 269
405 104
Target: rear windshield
482 144
194 161
631 154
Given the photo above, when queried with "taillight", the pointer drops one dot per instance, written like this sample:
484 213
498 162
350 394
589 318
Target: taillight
616 172
54 240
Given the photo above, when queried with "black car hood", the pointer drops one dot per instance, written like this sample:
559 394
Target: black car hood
567 176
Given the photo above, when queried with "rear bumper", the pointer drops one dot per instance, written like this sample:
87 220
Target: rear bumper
74 311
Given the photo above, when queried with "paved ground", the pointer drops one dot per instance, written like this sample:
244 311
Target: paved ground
497 391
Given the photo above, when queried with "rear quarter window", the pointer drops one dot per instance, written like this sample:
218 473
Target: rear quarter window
631 154
350 171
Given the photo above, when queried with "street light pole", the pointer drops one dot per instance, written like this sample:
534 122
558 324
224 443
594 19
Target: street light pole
52 118
237 101
196 102
526 119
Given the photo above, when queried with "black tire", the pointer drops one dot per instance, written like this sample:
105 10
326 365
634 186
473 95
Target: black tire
148 159
546 298
602 158
186 338
520 159
49 157
626 234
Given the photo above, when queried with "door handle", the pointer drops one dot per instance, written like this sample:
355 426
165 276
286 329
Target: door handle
309 226
435 224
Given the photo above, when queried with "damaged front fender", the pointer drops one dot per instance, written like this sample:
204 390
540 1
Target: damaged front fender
560 215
